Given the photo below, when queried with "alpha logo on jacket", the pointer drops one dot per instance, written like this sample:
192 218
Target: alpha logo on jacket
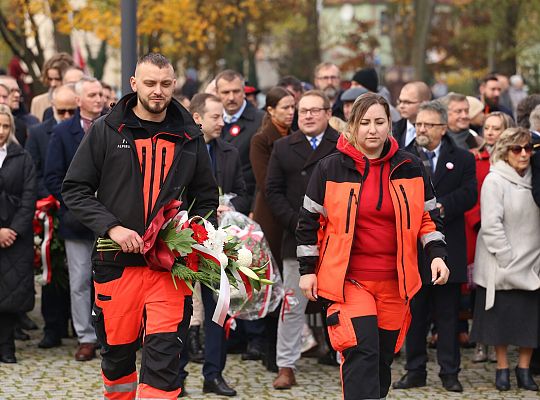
124 145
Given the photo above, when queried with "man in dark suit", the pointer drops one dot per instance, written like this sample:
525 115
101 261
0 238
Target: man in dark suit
453 175
242 120
54 297
78 239
207 112
292 161
410 98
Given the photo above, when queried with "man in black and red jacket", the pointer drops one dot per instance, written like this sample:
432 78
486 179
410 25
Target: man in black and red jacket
144 153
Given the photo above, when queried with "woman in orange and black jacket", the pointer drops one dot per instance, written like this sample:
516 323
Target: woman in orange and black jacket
364 211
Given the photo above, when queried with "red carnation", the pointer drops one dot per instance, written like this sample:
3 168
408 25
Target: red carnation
199 233
192 261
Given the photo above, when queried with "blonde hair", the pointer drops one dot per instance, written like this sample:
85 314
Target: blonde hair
5 110
510 137
359 109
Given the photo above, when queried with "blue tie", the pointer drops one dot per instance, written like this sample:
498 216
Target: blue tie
431 156
313 141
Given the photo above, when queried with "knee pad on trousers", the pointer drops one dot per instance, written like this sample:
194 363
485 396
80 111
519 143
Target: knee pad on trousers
161 355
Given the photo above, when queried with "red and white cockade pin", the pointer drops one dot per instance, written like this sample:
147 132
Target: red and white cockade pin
450 165
234 130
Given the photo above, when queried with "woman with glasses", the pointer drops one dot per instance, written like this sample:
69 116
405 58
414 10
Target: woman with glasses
495 123
507 260
17 202
364 211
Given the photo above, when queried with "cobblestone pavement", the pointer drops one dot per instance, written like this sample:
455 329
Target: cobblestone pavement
54 374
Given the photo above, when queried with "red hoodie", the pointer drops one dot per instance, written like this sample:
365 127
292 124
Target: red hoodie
374 247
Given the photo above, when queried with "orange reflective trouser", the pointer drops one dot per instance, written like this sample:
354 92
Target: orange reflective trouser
365 329
134 307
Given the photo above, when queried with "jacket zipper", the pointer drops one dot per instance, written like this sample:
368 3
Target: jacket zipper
324 252
151 192
162 173
406 206
401 231
349 211
143 166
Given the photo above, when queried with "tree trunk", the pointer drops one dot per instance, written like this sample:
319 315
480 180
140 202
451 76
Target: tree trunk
62 41
423 14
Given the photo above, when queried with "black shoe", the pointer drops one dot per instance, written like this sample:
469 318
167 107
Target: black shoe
502 379
8 358
26 323
328 359
253 352
195 350
269 359
19 334
451 383
49 341
218 386
410 380
525 379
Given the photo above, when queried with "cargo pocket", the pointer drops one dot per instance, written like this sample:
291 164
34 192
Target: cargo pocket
99 325
340 328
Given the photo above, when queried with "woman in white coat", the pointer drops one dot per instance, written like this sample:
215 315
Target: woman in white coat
507 260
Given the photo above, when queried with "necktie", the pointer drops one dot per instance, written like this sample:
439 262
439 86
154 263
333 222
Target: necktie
228 119
313 141
86 124
431 156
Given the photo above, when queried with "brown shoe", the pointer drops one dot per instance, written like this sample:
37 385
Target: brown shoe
285 379
85 352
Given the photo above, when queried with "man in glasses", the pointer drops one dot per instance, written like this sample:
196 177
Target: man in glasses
453 174
54 297
291 164
410 98
79 240
328 80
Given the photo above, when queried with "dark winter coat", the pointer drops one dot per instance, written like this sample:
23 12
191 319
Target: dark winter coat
37 144
17 202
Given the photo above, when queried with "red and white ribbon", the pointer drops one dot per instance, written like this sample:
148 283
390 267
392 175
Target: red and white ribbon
48 227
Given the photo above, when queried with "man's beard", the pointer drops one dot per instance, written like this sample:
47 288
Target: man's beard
156 109
422 141
492 102
331 92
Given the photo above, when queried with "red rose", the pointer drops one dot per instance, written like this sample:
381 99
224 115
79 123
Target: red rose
192 261
199 233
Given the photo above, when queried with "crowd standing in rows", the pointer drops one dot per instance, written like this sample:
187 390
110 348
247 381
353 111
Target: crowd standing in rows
385 222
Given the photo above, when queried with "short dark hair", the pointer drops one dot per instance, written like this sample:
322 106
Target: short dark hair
198 102
524 109
489 77
229 75
157 59
317 93
293 81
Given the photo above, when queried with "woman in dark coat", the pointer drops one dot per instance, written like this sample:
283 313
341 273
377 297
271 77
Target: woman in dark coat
280 106
17 202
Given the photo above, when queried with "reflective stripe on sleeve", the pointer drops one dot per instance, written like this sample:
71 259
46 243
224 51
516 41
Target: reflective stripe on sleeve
307 251
430 204
314 207
431 237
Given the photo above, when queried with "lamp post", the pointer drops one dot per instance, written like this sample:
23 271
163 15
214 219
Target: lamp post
129 42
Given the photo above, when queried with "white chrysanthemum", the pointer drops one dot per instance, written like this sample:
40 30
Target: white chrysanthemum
245 258
216 239
37 240
223 259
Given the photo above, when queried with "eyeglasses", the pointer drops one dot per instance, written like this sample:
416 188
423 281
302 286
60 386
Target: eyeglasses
517 149
406 102
63 111
328 77
314 111
427 125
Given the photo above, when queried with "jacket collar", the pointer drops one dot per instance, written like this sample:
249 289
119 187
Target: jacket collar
181 123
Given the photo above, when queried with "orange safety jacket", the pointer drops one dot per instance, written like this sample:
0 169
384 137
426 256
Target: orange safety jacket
327 219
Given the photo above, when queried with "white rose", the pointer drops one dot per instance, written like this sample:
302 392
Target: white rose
37 240
245 258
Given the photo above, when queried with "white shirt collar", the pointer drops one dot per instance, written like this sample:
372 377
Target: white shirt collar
235 117
318 137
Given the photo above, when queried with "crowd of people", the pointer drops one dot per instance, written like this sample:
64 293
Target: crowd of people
390 225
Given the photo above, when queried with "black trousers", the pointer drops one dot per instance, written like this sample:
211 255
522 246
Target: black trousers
7 339
440 304
55 308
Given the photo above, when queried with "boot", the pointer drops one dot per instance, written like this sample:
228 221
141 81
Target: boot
285 379
502 379
525 379
195 351
480 353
